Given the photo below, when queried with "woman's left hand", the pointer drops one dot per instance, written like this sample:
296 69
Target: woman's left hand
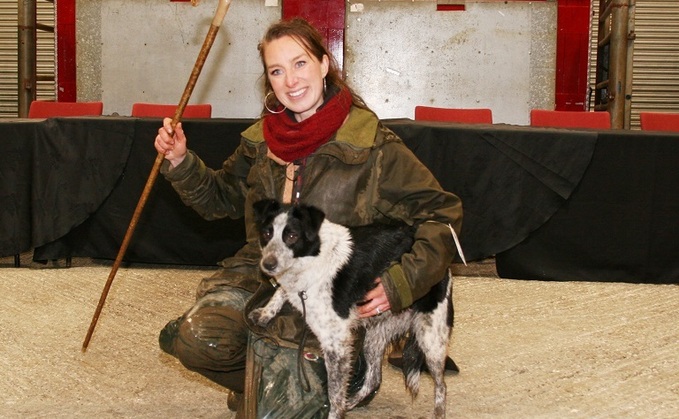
375 302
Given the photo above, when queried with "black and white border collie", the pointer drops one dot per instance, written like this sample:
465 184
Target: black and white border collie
333 267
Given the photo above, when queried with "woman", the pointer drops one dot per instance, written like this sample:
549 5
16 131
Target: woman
318 143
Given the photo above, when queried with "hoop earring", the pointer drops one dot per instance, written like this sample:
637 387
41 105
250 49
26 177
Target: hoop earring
266 104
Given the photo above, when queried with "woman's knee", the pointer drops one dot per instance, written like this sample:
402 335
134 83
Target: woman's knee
212 337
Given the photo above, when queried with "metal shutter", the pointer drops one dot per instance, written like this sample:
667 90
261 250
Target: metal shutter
655 82
655 56
8 55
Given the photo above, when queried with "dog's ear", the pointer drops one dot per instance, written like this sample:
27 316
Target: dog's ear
316 217
264 208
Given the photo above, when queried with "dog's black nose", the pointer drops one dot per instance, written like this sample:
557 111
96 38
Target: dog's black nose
269 263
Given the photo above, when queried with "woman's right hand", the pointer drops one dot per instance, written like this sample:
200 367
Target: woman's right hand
171 143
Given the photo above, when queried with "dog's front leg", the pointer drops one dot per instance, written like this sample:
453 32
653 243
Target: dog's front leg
263 315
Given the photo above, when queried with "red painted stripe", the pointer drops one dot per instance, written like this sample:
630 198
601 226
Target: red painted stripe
450 7
326 16
572 55
64 32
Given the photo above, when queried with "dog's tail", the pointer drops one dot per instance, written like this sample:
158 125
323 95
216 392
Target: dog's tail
413 360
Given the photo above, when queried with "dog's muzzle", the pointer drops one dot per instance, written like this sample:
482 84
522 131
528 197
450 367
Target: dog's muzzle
269 263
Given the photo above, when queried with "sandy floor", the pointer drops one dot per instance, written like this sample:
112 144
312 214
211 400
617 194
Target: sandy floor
526 349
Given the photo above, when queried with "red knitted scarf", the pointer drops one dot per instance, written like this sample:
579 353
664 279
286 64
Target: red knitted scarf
291 140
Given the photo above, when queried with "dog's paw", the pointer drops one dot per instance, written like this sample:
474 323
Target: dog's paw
259 317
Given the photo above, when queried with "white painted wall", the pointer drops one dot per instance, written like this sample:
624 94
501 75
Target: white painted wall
493 55
149 48
397 54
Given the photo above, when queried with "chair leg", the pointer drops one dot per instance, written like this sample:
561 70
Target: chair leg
68 262
17 260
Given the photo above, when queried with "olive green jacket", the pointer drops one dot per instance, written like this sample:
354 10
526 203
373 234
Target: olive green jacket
364 174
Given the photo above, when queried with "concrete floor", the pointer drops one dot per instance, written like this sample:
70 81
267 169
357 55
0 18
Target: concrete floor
526 349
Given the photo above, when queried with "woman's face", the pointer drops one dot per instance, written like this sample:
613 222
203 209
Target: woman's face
295 76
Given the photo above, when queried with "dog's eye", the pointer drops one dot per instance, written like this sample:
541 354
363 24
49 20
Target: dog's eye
291 237
266 234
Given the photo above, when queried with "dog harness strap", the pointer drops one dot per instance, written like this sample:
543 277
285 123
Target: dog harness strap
301 372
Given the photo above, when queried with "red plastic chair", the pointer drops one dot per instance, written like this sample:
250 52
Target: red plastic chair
569 119
48 109
161 110
470 116
659 121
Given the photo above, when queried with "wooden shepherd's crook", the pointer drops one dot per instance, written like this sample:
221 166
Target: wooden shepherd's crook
202 55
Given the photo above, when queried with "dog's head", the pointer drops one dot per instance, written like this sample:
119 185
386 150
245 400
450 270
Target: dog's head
286 233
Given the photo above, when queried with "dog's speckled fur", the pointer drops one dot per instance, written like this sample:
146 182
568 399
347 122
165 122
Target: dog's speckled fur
335 266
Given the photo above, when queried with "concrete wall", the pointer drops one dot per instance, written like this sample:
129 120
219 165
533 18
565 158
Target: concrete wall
145 50
493 55
397 54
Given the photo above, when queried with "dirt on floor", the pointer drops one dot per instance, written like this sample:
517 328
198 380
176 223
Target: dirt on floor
526 349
